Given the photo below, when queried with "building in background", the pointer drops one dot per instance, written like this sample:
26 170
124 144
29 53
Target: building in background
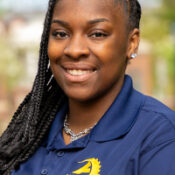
19 48
20 34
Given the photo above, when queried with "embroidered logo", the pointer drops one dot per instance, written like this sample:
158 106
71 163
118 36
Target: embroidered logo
92 167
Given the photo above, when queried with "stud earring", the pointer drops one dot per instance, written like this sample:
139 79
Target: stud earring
133 55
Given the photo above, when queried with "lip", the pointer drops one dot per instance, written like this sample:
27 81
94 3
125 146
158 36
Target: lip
78 66
90 71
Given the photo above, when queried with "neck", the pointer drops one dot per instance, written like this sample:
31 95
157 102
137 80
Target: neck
85 114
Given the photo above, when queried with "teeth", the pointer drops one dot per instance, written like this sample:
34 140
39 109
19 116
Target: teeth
78 72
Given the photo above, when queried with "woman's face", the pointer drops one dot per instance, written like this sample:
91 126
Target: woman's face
89 47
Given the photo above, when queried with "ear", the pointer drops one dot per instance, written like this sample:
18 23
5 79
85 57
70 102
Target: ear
133 42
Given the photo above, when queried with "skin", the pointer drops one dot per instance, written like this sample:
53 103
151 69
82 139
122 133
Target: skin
90 35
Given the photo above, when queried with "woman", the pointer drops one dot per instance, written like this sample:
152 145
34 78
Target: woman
83 115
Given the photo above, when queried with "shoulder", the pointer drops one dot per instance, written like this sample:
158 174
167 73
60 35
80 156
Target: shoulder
152 110
158 143
157 122
151 104
156 109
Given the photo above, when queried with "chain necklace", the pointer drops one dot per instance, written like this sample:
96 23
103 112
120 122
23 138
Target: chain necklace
72 134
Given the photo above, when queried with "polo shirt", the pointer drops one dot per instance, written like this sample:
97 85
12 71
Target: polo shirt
136 136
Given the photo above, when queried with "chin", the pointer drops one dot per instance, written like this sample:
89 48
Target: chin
79 95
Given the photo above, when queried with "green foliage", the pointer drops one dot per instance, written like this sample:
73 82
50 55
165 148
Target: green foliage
157 25
10 67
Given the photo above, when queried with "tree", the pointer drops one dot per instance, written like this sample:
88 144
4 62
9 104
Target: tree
159 28
10 68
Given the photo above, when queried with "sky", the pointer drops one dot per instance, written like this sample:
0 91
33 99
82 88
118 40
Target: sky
34 5
24 5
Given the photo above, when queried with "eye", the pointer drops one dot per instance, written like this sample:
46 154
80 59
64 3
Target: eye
60 34
98 35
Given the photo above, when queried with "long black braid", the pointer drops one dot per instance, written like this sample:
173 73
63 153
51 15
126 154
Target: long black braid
32 120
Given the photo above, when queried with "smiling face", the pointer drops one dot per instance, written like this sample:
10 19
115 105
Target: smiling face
89 47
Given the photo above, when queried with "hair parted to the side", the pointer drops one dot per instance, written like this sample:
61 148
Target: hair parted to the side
32 120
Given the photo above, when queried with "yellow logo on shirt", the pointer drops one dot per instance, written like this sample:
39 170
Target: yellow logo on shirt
92 167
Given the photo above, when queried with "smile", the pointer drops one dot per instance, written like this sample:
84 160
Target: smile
79 72
78 75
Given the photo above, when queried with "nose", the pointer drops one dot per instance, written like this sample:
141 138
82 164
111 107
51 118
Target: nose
76 48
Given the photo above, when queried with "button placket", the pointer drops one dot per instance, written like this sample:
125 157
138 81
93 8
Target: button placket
60 153
44 171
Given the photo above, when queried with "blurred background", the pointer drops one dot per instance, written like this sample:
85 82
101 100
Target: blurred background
21 24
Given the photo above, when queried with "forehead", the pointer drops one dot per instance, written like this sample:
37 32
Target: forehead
90 8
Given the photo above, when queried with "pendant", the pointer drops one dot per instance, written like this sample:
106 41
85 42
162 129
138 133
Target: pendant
73 138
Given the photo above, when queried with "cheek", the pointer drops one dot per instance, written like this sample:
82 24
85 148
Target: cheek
111 51
112 56
55 50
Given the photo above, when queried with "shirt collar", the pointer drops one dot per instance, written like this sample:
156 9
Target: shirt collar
54 141
117 120
121 115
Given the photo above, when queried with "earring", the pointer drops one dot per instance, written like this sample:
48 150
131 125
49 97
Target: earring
133 55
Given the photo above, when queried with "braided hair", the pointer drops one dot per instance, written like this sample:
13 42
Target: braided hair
33 118
134 13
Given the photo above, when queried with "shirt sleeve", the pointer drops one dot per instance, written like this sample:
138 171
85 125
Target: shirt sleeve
159 160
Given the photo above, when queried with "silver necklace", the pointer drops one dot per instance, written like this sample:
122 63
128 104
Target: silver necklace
72 134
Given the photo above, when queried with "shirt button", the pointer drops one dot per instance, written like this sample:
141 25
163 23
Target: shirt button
60 153
44 171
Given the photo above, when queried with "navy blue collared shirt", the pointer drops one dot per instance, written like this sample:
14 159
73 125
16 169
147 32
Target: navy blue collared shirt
136 136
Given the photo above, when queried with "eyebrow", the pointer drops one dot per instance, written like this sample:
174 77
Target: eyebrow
94 21
60 22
